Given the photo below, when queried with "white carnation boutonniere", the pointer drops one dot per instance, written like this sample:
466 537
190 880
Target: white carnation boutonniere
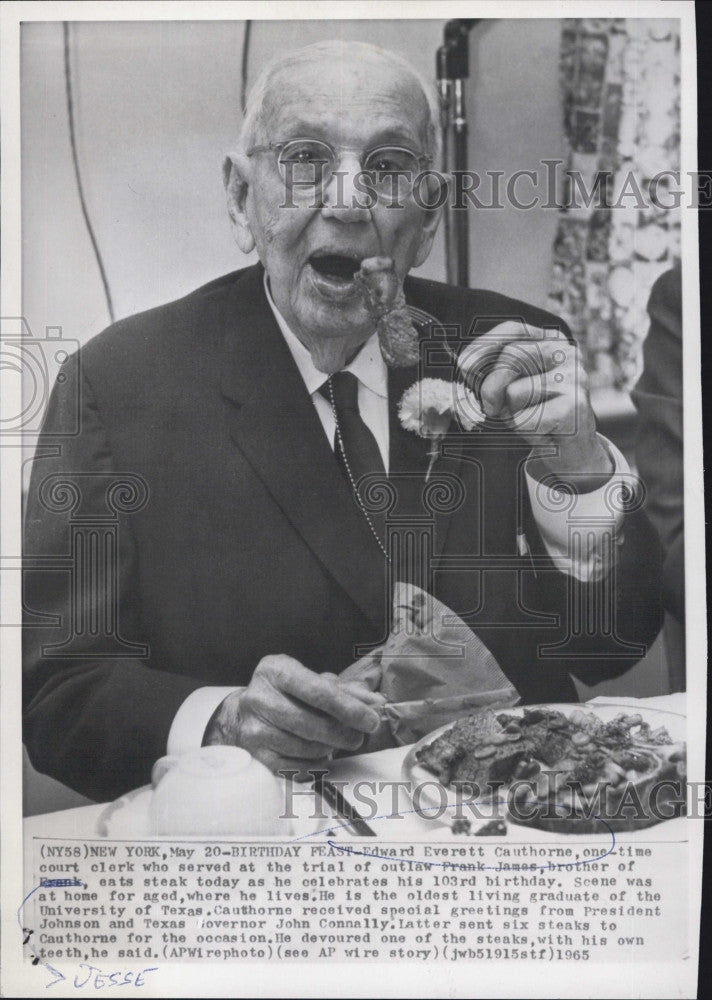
429 406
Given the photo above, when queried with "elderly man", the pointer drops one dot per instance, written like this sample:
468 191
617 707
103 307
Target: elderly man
252 568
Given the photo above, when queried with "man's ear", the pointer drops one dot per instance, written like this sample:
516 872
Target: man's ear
236 174
434 192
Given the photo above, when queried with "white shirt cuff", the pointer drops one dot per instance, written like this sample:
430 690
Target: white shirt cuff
581 532
191 719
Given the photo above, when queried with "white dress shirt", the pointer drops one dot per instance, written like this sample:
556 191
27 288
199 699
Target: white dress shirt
370 370
551 516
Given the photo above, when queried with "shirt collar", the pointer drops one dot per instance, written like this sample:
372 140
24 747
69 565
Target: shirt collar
368 366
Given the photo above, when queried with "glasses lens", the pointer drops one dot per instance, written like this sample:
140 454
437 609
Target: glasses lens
390 166
306 162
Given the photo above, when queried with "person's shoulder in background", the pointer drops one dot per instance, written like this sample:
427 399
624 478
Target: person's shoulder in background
659 444
666 297
662 350
660 383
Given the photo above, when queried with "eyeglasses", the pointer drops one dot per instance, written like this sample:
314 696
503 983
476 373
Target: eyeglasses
310 163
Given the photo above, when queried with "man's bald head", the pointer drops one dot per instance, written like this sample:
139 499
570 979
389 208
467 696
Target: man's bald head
265 97
366 111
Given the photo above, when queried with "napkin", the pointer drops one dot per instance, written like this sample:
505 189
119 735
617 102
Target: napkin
432 669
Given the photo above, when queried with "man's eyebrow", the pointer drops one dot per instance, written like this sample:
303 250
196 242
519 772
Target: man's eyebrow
394 134
301 128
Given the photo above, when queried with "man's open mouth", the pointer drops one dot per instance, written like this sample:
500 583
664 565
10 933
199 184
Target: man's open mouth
335 267
333 276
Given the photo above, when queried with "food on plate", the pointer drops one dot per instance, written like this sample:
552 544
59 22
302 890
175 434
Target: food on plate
495 828
397 336
565 773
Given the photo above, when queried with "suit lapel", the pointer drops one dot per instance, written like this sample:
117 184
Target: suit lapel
274 423
409 453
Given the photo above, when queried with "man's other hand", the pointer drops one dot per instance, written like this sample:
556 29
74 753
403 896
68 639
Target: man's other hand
534 381
289 717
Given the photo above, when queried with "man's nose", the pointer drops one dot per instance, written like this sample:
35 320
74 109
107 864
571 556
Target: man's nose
341 198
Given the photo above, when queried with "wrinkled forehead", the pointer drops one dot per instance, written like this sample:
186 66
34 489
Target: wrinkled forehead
350 99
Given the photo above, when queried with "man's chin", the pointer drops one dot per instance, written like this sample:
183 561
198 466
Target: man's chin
336 317
331 339
330 356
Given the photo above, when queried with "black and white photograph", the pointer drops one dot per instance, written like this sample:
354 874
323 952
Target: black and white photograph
353 566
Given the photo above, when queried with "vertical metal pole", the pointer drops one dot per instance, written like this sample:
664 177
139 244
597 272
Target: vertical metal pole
452 69
459 123
445 92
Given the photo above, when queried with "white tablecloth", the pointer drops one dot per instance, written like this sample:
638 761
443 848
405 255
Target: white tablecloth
395 818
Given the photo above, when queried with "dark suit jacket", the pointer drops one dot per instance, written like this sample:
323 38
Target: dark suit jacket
237 536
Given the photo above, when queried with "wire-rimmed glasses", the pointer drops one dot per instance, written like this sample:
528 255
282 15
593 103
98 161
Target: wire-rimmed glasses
311 163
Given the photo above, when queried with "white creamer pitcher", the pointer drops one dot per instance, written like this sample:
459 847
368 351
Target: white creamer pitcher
217 790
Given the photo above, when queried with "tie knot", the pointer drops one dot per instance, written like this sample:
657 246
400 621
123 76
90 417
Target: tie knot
345 388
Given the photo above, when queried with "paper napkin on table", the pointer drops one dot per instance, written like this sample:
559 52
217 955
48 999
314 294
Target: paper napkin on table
432 669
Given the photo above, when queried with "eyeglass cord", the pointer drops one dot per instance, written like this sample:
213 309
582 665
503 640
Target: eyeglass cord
350 474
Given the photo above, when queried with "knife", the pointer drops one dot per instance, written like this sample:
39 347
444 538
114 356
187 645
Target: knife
351 821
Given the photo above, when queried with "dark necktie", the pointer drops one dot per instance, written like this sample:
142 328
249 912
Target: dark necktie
354 445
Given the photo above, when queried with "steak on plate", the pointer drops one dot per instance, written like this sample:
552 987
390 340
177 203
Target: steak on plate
570 772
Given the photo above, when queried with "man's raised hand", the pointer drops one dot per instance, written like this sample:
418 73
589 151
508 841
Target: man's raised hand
533 380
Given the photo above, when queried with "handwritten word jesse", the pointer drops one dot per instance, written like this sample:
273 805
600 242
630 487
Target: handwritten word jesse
89 974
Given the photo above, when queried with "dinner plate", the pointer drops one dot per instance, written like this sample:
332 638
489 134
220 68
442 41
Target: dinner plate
441 803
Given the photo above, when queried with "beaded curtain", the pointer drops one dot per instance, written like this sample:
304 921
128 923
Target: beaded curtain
621 97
